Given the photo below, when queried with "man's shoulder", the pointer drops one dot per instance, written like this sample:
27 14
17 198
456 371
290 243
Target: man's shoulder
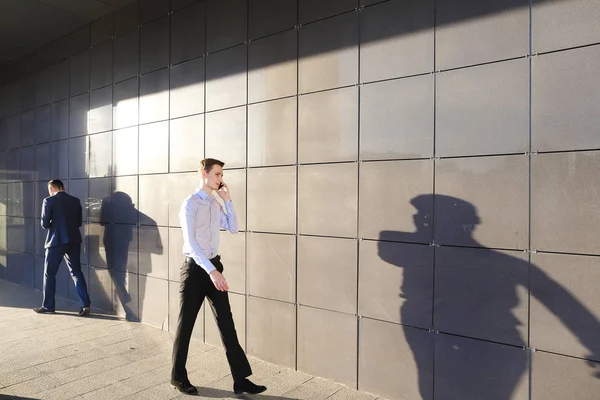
73 198
54 200
64 196
191 201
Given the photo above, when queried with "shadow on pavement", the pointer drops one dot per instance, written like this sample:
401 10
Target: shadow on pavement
220 394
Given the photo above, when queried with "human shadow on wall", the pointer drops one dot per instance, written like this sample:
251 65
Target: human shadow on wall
479 293
128 250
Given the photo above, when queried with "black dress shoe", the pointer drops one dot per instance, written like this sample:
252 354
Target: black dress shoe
184 387
248 387
84 312
42 310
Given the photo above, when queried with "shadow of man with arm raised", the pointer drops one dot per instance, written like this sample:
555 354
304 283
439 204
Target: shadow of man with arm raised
475 292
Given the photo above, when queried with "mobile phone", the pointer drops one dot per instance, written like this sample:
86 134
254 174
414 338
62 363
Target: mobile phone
220 185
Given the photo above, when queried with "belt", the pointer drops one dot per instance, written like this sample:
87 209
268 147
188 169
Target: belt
190 260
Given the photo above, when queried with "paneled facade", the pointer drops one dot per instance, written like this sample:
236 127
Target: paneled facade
416 182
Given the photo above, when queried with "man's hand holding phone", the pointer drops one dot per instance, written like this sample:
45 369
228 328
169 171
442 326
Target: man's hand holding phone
224 192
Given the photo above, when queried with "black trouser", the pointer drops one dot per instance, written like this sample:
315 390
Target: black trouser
195 284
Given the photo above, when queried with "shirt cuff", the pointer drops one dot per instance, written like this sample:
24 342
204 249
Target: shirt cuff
207 266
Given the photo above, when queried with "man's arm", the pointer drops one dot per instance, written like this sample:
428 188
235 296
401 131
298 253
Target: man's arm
46 215
229 220
187 218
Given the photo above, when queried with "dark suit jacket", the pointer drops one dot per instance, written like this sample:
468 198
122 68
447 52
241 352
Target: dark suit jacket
61 216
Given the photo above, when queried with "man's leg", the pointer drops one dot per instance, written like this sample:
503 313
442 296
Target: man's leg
219 303
72 258
238 362
54 256
191 296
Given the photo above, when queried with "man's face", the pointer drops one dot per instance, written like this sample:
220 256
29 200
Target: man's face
51 191
213 178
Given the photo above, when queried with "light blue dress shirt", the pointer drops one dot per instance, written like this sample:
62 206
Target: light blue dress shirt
202 217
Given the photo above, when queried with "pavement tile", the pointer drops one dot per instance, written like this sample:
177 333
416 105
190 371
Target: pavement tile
91 369
148 379
78 387
6 393
112 392
314 389
350 394
34 386
21 375
163 391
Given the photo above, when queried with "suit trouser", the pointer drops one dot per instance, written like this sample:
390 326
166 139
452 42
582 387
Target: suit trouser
195 285
54 255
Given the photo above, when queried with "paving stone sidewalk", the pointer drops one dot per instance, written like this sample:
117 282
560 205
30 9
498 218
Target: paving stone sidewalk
64 356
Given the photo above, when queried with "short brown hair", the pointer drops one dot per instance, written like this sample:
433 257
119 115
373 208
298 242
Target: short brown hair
56 184
208 163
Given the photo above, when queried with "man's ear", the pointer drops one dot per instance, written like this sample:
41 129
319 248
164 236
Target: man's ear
203 174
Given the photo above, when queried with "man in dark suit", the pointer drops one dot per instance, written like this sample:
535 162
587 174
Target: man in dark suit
61 217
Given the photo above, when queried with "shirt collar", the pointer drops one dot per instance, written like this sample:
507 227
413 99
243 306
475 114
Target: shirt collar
202 194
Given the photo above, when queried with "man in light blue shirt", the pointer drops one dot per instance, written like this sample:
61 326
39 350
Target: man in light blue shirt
202 218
